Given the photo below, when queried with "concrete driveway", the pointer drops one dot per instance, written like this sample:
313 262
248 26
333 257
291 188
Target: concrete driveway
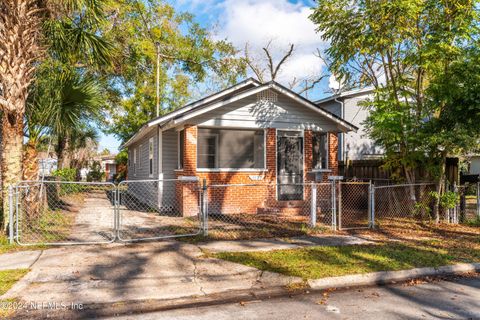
119 272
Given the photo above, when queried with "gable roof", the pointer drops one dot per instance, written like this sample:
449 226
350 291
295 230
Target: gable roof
346 94
239 91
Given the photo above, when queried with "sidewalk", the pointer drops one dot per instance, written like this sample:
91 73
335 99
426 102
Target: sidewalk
118 272
168 274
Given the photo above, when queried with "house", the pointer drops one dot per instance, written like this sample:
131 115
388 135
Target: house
109 166
250 133
47 163
353 145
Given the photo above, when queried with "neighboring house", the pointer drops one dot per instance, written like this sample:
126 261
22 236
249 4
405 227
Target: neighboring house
109 166
47 164
346 105
250 133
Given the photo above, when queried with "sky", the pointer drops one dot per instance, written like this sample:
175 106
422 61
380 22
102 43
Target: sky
256 22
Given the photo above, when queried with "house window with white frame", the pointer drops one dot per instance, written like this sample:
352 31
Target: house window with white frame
135 161
150 157
181 149
319 151
230 148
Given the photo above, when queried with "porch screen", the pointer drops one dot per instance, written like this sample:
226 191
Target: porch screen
230 149
320 150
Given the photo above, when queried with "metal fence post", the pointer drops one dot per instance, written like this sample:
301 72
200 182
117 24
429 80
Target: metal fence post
313 208
205 207
10 216
116 213
334 206
339 208
372 205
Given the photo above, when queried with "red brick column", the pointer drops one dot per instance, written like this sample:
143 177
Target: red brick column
271 155
333 152
187 194
308 154
271 161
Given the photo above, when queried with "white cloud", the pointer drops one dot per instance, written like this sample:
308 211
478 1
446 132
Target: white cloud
256 22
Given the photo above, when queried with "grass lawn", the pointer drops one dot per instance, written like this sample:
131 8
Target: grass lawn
421 245
6 247
9 277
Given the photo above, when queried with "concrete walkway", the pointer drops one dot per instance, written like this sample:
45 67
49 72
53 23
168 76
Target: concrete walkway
19 260
118 272
281 244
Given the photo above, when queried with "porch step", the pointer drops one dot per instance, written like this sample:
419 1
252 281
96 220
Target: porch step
284 211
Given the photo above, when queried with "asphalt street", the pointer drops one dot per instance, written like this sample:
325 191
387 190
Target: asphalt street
457 298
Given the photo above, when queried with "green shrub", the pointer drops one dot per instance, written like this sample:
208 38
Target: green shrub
67 174
95 174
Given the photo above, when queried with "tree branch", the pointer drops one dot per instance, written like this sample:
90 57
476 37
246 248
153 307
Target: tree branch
289 53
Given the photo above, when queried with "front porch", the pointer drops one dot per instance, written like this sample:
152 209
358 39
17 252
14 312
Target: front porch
275 180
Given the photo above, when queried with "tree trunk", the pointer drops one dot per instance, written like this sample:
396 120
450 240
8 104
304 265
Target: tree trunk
30 173
440 188
20 31
12 142
61 150
30 162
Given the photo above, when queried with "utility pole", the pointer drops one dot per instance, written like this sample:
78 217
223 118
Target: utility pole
157 44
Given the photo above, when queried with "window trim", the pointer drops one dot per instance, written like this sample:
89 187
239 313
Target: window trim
264 169
179 147
151 157
134 161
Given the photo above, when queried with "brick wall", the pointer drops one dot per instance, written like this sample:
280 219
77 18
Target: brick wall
333 153
240 199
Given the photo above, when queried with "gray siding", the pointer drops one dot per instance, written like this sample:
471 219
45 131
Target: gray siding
286 113
142 172
145 192
333 107
169 153
357 144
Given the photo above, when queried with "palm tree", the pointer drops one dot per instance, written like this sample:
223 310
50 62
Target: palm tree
28 28
69 120
62 105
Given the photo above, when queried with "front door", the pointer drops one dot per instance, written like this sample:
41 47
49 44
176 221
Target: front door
289 165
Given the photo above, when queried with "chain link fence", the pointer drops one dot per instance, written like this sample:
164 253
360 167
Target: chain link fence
154 209
54 212
245 211
405 201
353 205
469 202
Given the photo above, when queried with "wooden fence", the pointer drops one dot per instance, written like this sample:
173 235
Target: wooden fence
374 170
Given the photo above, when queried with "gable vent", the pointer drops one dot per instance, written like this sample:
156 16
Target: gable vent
267 96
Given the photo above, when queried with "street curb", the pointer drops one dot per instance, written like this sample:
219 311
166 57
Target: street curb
384 277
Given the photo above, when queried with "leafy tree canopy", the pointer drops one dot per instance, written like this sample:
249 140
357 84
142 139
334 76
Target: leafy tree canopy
188 56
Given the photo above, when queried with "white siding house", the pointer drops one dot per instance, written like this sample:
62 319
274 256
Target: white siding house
352 145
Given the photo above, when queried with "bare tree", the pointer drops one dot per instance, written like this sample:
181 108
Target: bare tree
266 68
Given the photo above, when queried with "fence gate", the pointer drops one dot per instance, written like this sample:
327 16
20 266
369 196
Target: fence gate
60 213
157 209
353 208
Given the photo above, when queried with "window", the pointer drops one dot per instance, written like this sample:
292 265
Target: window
320 151
181 148
135 161
150 157
230 149
140 156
